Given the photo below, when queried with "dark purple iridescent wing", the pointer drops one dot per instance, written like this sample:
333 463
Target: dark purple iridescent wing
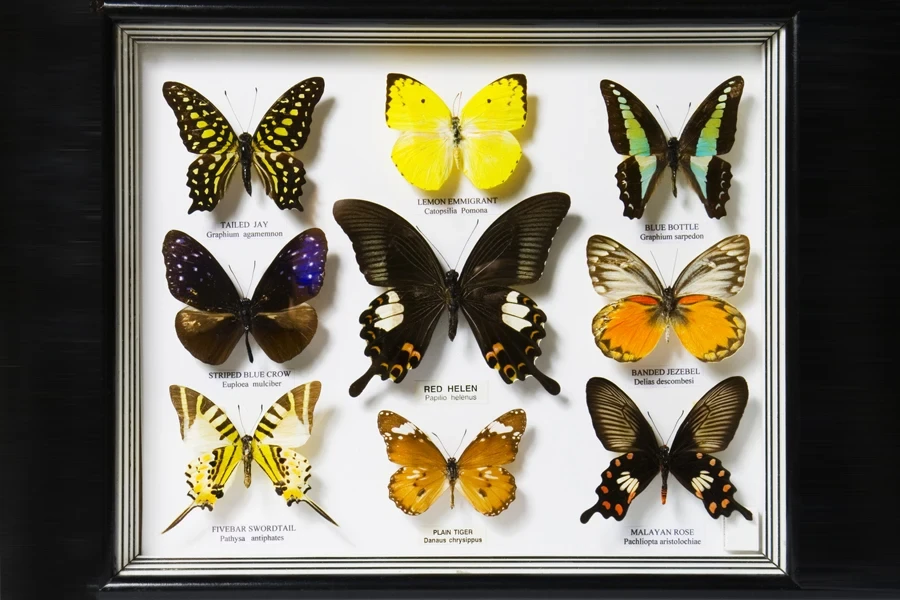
209 328
195 277
283 324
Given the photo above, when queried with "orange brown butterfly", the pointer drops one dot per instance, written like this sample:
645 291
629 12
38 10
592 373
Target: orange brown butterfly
628 329
425 474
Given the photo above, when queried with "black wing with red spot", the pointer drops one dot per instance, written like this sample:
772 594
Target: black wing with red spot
704 476
626 477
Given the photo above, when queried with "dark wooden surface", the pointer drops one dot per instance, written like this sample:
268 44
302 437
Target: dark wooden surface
56 361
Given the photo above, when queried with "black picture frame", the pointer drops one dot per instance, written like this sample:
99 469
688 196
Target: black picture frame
60 340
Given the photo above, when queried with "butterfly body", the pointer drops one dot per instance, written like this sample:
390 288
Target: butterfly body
709 132
425 474
398 324
283 129
709 427
216 317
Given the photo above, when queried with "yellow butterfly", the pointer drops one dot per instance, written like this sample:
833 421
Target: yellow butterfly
478 140
208 431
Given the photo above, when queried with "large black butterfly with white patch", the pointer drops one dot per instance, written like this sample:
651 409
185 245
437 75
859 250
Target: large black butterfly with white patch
217 316
709 132
708 427
284 128
507 324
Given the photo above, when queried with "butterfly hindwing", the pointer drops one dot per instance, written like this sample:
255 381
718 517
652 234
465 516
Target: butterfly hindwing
626 476
508 326
704 476
397 327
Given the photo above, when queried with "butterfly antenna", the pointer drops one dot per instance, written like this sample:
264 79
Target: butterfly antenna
672 278
459 445
441 443
236 280
686 113
233 114
673 428
433 246
253 109
668 129
252 273
468 239
654 425
658 270
456 102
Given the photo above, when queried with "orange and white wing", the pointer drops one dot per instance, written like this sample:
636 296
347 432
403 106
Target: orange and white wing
630 328
710 328
488 486
423 475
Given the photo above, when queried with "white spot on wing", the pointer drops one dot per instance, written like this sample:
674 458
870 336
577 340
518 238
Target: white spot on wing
498 427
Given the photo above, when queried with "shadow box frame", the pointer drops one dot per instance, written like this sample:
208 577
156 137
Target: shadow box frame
136 25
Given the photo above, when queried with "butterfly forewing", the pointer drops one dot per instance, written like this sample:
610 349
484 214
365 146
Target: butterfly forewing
713 420
711 128
617 421
412 106
285 126
202 127
497 443
514 249
195 277
718 272
289 421
617 272
500 105
389 251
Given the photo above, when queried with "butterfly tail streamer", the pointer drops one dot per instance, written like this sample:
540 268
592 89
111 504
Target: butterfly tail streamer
549 384
181 517
319 510
742 509
360 384
586 515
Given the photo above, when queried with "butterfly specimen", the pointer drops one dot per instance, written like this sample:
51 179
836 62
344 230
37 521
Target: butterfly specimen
477 140
425 474
709 132
283 129
217 315
708 427
507 324
208 431
629 328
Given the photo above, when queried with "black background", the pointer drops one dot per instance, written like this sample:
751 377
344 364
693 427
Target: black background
56 363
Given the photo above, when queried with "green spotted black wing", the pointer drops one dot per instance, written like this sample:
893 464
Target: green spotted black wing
398 324
708 427
284 128
634 132
708 133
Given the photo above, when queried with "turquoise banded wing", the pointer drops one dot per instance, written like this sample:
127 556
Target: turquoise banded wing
634 132
709 133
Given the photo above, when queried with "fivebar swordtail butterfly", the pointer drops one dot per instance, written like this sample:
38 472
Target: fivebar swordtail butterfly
217 315
507 324
709 427
283 129
219 448
635 133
